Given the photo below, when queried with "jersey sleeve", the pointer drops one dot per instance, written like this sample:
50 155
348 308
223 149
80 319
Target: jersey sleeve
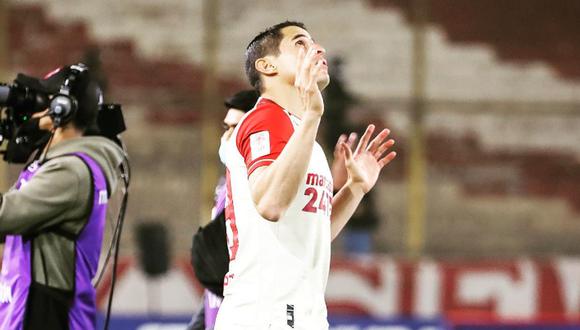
262 136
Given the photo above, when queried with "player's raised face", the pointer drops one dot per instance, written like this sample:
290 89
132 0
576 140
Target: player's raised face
294 39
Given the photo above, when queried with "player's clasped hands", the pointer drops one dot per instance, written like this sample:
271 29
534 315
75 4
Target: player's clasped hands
309 66
365 164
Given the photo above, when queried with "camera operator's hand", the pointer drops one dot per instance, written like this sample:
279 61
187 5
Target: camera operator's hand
45 122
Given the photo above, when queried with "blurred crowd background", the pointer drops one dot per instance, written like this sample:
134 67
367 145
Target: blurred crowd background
482 96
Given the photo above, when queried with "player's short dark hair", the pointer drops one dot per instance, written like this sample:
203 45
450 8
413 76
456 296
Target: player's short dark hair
265 43
244 100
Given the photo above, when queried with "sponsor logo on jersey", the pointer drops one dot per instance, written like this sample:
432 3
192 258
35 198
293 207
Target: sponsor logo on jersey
313 179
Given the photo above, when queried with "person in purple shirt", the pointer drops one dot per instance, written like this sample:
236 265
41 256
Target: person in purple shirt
53 218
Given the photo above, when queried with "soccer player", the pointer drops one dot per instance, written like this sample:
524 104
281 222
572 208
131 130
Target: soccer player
281 215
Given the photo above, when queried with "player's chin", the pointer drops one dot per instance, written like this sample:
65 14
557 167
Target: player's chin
323 80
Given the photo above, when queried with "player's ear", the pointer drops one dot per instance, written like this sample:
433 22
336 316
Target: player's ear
265 66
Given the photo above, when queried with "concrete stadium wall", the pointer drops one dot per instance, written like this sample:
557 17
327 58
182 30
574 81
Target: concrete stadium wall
375 44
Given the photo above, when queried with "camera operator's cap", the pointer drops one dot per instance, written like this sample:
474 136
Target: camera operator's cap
244 100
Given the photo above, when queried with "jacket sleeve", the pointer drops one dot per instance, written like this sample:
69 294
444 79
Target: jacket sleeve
58 192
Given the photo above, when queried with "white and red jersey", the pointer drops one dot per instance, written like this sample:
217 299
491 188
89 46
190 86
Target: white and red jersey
278 270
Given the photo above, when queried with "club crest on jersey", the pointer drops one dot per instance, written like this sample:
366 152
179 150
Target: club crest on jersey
260 144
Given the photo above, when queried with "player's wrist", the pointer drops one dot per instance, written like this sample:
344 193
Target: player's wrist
312 116
355 187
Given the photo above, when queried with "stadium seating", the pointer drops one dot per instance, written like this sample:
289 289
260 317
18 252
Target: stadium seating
502 173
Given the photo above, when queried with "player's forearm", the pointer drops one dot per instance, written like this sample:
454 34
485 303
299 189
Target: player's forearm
344 204
276 186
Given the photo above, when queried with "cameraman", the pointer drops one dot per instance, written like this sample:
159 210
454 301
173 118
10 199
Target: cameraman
54 216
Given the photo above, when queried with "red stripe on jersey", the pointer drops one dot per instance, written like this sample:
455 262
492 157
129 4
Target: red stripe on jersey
266 117
259 163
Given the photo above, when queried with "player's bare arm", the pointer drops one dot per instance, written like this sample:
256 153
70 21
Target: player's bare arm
363 168
274 187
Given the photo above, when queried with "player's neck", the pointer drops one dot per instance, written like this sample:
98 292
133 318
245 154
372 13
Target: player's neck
287 97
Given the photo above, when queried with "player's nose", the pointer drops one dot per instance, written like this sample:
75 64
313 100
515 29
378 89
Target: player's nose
319 49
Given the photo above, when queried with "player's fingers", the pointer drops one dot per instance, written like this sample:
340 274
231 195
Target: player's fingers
387 159
341 140
310 59
316 64
378 140
347 152
303 71
312 83
364 140
384 147
351 139
299 67
308 62
301 55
